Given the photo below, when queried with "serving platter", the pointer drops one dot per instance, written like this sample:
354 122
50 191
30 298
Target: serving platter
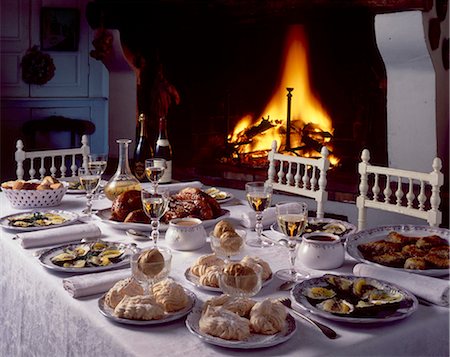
45 258
70 217
406 307
108 312
379 233
254 341
194 280
105 215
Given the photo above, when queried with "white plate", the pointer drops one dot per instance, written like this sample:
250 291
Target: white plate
409 303
379 233
105 215
254 341
79 191
46 256
194 280
227 198
169 316
70 216
350 228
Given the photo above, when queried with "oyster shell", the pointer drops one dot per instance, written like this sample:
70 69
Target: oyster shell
79 263
336 306
361 287
320 293
98 246
339 282
81 250
111 253
380 297
63 257
99 261
334 228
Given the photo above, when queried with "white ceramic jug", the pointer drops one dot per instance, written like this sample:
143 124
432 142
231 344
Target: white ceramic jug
185 234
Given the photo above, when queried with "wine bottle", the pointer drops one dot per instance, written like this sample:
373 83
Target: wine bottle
164 150
142 151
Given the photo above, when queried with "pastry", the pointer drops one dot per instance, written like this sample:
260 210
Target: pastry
125 287
211 276
239 305
170 295
222 227
151 262
242 277
204 262
266 270
140 307
231 242
219 322
268 317
415 263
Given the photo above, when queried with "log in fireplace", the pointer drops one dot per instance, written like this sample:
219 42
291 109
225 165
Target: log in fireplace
226 58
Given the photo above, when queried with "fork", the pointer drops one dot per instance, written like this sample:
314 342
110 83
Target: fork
327 331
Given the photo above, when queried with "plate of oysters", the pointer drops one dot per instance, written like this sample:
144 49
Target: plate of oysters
127 303
238 322
416 249
87 257
37 220
349 298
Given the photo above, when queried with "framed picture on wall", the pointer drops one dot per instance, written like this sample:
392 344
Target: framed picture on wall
60 29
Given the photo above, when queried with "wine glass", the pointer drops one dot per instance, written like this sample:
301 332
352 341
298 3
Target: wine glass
89 181
154 170
240 280
150 266
229 244
292 218
155 205
259 197
98 161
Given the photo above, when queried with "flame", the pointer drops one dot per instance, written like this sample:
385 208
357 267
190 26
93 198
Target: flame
305 107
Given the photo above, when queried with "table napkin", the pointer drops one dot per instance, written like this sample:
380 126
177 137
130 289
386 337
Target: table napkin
175 187
429 288
248 218
59 235
92 284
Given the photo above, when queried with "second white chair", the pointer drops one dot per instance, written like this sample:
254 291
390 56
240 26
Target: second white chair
300 175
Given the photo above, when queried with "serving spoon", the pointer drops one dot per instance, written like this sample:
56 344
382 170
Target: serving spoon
138 235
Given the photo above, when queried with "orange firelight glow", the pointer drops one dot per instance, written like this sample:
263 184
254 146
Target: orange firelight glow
305 107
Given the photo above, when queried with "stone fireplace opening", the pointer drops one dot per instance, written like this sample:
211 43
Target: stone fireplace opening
225 60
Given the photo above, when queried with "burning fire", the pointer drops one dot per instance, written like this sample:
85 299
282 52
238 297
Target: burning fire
311 126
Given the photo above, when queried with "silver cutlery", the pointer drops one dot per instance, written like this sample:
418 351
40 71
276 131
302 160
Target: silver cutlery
327 331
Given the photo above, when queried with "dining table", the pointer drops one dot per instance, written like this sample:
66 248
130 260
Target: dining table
40 318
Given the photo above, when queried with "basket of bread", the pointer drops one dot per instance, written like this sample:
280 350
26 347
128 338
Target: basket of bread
29 194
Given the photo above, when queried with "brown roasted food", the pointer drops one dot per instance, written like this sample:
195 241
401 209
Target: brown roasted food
137 216
408 252
125 203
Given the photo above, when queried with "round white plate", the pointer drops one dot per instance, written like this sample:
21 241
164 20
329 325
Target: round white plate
254 341
229 196
169 316
70 218
408 305
379 233
105 215
312 222
46 256
194 280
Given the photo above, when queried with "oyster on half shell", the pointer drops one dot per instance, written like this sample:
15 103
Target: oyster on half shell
336 306
334 228
320 293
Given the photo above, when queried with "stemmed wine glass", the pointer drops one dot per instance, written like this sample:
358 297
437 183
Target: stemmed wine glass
98 162
292 218
155 205
154 170
89 181
259 197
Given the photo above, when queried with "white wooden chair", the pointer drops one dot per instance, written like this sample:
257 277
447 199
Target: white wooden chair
38 160
419 201
300 175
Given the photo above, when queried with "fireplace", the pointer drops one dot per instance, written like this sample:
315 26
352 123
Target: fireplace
225 60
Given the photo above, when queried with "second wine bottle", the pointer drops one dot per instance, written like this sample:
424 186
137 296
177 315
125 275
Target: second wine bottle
164 150
142 151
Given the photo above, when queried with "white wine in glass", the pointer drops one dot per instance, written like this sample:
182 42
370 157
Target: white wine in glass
154 170
292 218
155 205
98 162
259 197
89 181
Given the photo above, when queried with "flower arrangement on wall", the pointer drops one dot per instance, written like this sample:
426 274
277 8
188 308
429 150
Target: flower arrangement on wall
37 67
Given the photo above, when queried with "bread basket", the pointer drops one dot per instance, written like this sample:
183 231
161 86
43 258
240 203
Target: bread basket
35 198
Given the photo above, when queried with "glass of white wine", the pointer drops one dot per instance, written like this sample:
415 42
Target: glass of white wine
154 170
89 181
292 218
155 205
259 197
98 162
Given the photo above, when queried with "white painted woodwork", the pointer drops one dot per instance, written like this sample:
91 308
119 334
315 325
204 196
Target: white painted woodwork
37 160
300 175
402 198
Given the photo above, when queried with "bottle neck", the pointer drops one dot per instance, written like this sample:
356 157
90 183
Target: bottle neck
123 166
142 125
162 128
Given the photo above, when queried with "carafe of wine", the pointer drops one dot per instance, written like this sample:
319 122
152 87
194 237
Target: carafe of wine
163 150
142 151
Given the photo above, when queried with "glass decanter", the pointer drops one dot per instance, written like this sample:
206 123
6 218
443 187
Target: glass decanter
123 180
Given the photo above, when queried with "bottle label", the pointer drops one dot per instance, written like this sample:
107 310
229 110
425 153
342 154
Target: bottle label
139 170
167 177
162 142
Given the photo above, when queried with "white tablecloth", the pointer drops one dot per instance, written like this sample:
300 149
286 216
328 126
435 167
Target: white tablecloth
39 318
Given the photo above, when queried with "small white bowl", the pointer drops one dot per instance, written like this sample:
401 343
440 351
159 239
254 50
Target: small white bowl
321 251
185 234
